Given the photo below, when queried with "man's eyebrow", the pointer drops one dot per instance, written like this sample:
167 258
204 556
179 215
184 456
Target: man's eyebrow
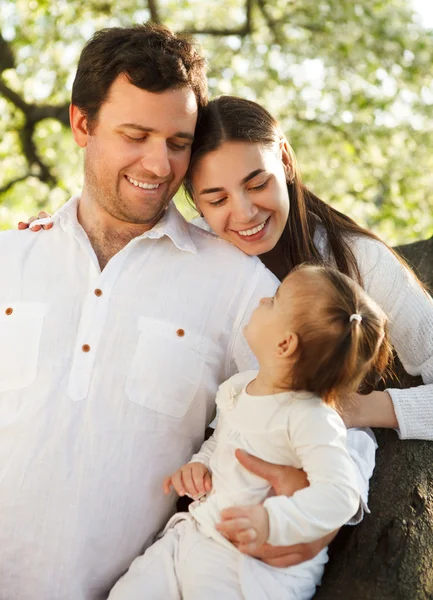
178 134
244 180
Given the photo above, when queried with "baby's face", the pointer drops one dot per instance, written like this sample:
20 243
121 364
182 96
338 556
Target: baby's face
280 315
270 321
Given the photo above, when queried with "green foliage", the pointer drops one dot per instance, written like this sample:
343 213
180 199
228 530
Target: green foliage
350 82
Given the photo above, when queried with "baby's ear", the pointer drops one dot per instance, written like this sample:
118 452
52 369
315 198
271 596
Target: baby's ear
288 345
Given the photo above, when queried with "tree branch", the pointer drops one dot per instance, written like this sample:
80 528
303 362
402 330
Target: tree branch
271 22
14 97
7 59
30 152
10 184
48 111
152 5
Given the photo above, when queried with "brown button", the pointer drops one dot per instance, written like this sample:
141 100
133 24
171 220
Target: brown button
9 311
98 292
85 348
180 332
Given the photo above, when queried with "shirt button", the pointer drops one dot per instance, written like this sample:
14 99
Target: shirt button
98 292
9 311
180 332
85 348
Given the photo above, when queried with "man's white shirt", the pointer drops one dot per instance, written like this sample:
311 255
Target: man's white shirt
107 382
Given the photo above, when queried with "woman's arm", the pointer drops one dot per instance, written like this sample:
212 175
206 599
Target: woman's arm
371 410
410 312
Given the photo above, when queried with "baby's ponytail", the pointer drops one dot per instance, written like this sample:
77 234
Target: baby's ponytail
349 340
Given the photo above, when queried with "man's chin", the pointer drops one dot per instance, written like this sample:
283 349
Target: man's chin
137 218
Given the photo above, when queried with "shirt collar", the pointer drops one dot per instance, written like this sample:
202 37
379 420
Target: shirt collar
172 224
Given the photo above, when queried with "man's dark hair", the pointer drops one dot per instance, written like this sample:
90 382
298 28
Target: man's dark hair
151 56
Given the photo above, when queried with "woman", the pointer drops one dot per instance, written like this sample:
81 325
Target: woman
244 181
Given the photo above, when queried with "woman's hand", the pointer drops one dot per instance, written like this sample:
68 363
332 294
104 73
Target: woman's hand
193 479
285 481
44 225
370 410
289 556
248 525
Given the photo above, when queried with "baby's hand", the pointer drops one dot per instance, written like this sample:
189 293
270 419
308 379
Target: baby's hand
247 527
193 479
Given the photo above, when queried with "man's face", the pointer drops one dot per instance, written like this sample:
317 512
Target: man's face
138 151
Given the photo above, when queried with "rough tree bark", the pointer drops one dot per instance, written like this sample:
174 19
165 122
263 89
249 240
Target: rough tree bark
389 556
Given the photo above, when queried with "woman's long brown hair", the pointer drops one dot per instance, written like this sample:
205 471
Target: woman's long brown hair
229 118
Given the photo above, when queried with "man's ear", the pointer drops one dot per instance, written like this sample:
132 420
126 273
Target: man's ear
288 346
78 125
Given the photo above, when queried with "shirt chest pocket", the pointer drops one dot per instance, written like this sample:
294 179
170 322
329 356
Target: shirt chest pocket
20 335
167 367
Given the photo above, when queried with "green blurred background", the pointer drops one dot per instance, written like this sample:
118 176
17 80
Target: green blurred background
350 81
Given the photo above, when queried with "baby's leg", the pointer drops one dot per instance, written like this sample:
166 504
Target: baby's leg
206 569
262 582
151 576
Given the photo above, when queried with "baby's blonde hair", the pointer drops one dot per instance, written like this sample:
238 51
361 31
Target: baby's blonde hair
335 352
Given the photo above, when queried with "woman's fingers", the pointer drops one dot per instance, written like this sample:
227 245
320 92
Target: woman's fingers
44 222
233 527
284 480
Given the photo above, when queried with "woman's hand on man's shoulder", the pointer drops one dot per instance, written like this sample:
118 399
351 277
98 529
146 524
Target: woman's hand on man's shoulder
43 222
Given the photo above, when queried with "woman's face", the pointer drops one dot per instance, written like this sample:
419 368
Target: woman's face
241 190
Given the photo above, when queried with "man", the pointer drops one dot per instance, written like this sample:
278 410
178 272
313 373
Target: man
116 329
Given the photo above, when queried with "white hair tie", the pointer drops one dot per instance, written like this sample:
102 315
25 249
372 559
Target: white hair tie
355 317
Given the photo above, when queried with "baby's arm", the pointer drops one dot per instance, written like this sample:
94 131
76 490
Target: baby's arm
194 479
318 436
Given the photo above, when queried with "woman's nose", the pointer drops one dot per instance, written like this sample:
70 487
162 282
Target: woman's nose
243 210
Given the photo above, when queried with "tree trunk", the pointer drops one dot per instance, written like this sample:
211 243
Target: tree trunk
389 556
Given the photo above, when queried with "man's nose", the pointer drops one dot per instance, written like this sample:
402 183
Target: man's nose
156 159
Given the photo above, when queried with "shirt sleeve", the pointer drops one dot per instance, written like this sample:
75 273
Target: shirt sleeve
410 313
318 436
208 447
362 446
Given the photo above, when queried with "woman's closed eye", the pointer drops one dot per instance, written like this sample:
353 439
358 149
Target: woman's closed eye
218 202
260 186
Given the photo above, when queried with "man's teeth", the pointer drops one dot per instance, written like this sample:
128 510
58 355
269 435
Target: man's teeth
144 186
252 231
